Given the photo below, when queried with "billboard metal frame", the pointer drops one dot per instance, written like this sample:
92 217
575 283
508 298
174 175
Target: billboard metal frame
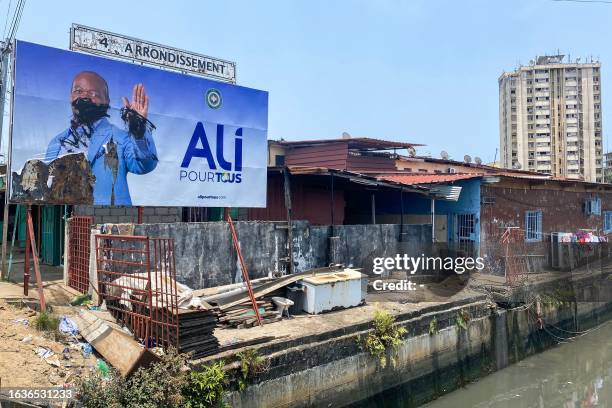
73 46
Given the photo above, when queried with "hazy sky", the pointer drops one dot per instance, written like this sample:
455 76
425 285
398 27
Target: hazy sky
419 71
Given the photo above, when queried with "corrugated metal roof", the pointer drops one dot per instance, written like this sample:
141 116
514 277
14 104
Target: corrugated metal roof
353 142
422 178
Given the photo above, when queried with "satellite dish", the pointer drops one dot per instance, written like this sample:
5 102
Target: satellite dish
444 155
346 135
467 158
517 166
411 151
477 160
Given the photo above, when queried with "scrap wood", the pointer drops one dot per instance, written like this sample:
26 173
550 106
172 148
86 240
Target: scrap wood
118 348
269 287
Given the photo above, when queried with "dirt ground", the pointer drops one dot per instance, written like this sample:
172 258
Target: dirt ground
20 366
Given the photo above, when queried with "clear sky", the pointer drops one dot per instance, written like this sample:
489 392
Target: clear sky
423 71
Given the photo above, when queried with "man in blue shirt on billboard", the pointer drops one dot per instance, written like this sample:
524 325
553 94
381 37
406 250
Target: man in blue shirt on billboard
111 151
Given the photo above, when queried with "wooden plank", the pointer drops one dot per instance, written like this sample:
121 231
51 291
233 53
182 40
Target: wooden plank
272 286
117 348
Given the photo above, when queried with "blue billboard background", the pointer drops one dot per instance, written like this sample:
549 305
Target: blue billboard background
42 110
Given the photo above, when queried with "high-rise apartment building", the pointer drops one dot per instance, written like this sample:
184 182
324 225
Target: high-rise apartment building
550 118
607 168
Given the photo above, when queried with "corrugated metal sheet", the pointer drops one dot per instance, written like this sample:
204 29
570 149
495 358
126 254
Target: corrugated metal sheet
353 143
309 202
370 163
412 179
332 155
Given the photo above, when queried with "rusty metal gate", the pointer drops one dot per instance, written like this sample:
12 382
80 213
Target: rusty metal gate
137 279
79 229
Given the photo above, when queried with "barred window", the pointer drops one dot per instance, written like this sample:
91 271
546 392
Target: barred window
533 226
607 222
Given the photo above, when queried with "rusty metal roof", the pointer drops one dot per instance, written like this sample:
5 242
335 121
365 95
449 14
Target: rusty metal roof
361 143
426 178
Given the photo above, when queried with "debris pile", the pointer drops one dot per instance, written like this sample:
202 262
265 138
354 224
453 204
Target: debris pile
243 316
195 332
35 358
66 179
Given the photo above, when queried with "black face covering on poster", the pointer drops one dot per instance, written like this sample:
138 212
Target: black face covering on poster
86 112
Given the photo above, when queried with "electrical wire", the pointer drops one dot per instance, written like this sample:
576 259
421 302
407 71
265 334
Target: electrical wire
16 20
6 20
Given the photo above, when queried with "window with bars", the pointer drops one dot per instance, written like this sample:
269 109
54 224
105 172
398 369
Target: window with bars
607 222
533 226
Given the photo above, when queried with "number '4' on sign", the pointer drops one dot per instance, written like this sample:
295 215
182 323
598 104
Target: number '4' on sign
104 42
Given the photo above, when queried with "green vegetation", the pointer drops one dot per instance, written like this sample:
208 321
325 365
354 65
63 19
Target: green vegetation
46 321
84 300
433 326
206 388
385 337
463 319
251 364
558 297
164 384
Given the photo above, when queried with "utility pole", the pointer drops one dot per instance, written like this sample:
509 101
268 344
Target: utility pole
7 177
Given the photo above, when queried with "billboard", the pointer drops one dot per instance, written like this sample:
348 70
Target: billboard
90 130
92 40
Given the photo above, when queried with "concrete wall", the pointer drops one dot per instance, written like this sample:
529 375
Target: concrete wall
205 256
334 371
106 214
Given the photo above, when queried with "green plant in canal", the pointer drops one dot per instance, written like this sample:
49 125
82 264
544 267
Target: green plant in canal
463 319
433 326
206 388
251 364
385 336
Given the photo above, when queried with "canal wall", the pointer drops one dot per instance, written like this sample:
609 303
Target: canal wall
330 369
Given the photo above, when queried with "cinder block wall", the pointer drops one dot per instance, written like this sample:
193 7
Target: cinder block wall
104 214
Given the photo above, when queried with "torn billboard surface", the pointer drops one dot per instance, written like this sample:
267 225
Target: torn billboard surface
151 137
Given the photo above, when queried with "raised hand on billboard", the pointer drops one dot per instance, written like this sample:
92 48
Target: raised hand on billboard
134 113
140 100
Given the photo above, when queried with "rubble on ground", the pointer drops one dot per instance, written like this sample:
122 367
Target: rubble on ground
32 358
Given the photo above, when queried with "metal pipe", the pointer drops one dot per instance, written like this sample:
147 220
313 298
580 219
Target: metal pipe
26 263
332 206
373 208
287 191
7 177
433 220
401 213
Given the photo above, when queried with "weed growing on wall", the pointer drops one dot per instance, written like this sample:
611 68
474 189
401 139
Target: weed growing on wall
384 339
463 319
207 388
251 364
433 326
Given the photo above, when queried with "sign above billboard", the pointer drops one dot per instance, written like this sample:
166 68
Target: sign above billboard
93 130
92 40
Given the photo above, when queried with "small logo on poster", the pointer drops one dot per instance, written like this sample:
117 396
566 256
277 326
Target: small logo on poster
213 98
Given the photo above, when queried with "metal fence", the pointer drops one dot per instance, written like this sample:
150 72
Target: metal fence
515 255
79 243
137 279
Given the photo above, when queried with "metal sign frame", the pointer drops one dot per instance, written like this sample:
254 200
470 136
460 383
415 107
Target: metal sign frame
108 37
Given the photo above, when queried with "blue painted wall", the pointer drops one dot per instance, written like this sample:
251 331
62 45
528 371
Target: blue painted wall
468 203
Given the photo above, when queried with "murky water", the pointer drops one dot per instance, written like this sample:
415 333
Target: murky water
575 374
